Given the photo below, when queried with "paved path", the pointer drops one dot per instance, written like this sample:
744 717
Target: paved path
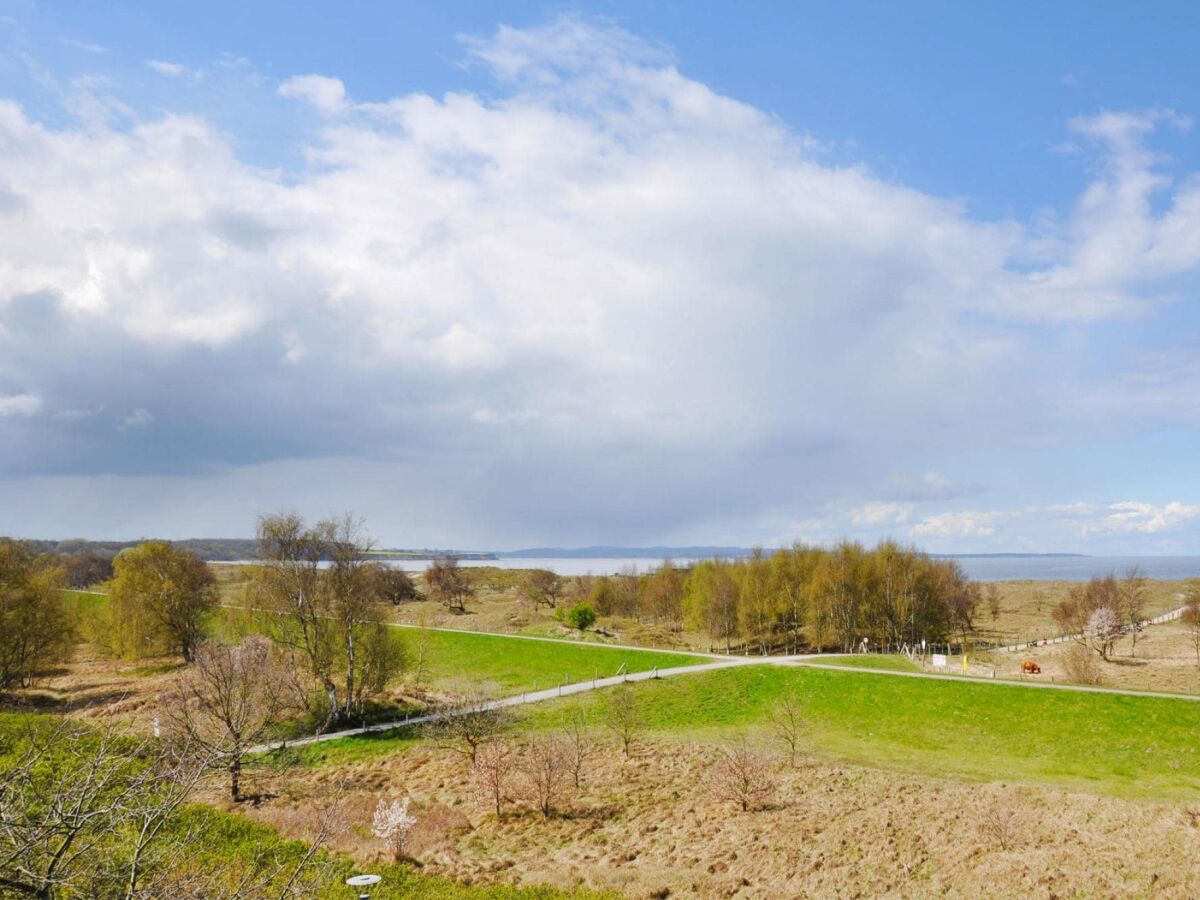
1064 638
564 690
808 662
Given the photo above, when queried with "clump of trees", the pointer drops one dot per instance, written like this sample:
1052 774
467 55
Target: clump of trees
798 597
87 569
543 771
160 601
321 591
36 625
1097 612
830 598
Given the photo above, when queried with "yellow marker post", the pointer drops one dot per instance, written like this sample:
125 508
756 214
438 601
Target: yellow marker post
964 662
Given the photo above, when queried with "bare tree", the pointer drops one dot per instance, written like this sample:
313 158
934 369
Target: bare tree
742 776
546 767
1191 619
422 645
1003 823
469 723
787 723
623 717
395 586
993 601
1132 610
495 765
579 738
543 587
228 701
84 811
448 584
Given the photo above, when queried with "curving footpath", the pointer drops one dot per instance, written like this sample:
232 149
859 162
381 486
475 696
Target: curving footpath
1168 616
564 690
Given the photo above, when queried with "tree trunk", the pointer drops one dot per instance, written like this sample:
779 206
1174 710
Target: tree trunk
235 779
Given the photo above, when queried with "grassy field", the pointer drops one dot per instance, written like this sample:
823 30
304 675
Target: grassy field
1125 746
1027 607
227 847
886 662
514 664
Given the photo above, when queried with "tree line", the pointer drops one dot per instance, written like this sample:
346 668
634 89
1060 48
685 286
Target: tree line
789 599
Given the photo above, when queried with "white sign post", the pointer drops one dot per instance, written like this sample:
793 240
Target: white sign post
939 660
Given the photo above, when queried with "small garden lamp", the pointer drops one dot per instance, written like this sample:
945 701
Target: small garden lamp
363 882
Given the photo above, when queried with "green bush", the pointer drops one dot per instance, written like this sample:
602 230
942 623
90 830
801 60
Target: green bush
581 616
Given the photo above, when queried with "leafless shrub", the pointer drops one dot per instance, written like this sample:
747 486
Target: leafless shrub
82 808
579 739
1002 821
787 724
742 776
623 717
466 725
546 767
492 774
1082 666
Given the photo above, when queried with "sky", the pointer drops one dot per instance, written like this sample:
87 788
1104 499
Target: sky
527 274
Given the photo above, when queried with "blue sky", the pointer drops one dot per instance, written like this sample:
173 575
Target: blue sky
526 273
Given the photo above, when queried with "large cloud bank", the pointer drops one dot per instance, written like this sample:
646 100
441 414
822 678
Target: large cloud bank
601 303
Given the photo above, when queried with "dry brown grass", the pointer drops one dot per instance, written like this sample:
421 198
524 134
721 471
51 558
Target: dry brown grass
1165 661
648 827
93 685
1026 607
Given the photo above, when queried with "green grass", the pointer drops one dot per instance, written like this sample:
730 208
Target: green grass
227 841
515 664
879 661
1127 746
227 847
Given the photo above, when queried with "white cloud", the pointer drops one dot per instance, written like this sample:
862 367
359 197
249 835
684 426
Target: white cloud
969 524
693 298
22 405
880 514
87 46
327 95
174 70
1146 518
138 418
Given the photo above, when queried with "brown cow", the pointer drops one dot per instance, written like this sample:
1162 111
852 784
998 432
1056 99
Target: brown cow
1029 667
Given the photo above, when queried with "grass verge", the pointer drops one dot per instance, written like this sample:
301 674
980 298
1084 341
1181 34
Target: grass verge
1110 744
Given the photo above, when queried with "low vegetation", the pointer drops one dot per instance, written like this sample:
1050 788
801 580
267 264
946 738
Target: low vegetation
744 779
1122 745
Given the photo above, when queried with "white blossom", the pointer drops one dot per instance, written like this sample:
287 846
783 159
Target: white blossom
392 824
